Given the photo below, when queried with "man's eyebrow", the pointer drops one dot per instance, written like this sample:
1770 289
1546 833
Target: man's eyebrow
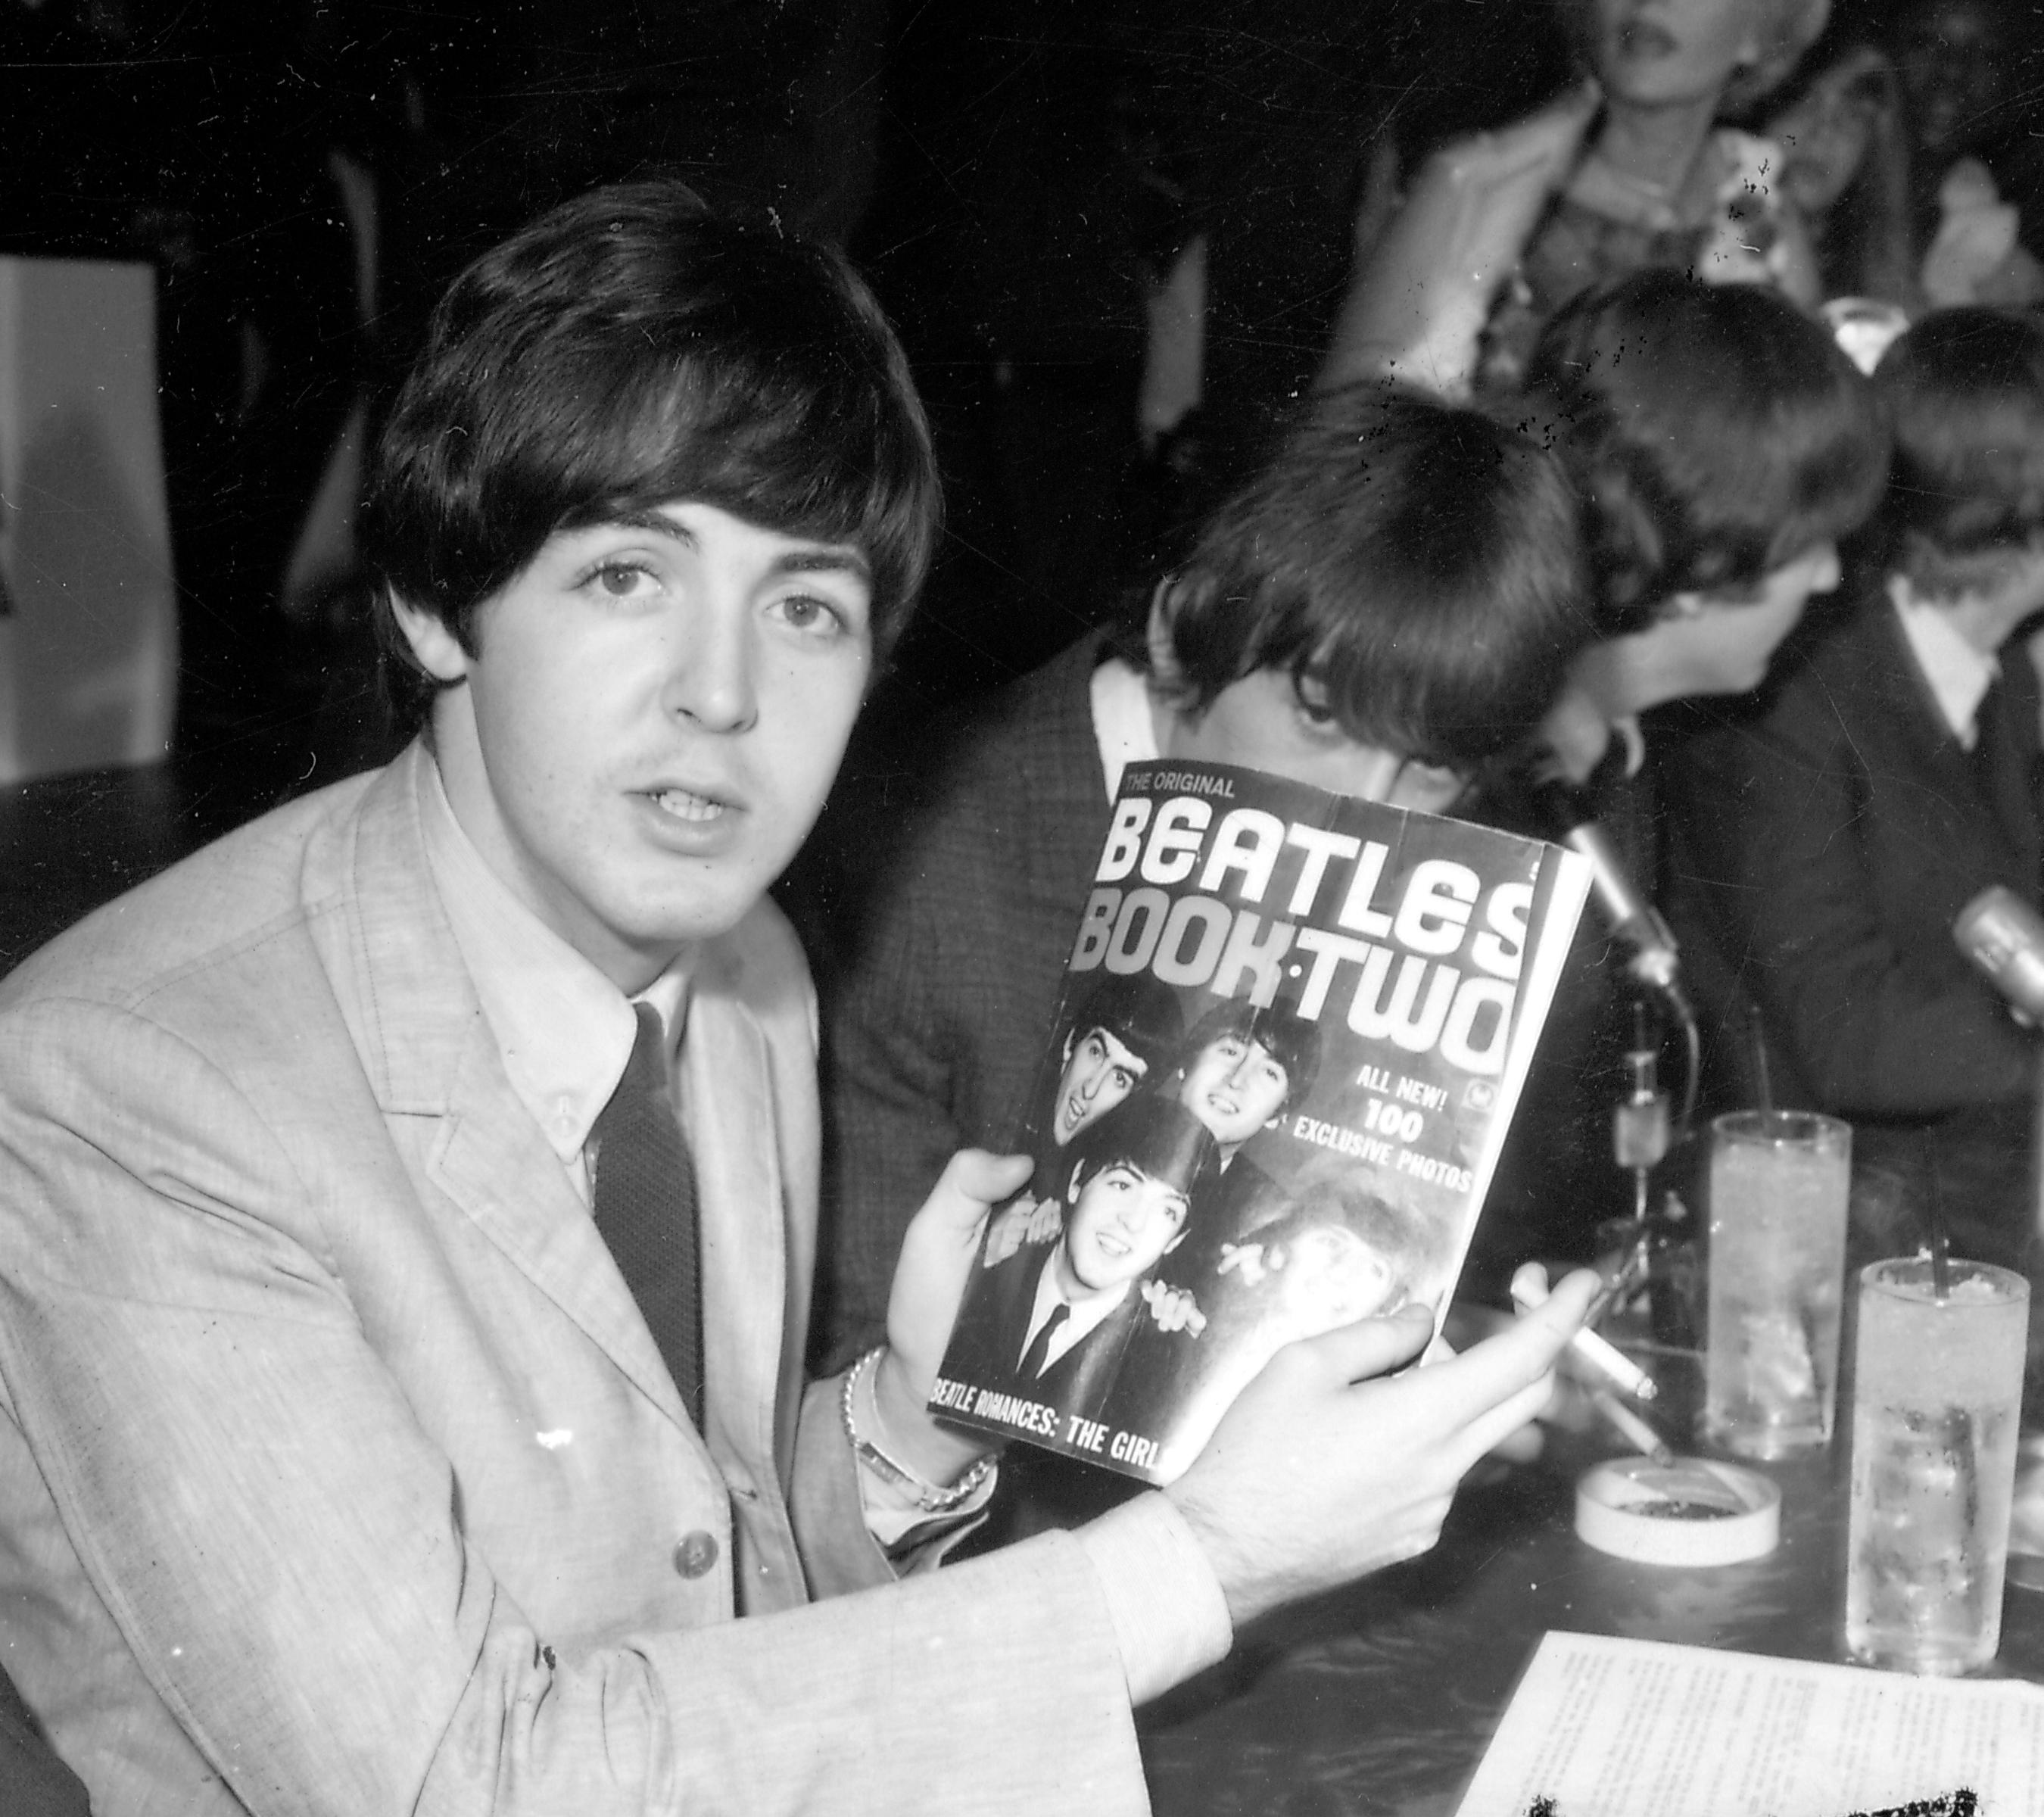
819 558
828 558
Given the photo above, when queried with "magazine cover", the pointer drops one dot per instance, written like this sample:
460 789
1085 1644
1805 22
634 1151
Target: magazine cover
1293 1030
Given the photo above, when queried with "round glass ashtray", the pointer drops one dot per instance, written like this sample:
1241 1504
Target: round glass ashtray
1695 1511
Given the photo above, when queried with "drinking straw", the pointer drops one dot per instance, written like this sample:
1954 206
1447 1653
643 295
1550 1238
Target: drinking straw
1941 1242
1757 1043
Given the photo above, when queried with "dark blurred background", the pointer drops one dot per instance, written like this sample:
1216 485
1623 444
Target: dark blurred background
1020 180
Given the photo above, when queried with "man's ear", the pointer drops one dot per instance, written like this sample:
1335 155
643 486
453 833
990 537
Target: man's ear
1164 669
435 648
1072 1185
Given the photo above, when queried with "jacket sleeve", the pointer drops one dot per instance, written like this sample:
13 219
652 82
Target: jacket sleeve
286 1553
1800 848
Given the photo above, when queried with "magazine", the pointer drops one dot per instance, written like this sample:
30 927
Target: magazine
1293 1030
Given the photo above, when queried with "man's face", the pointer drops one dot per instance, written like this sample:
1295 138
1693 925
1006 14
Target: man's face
1331 1276
1265 722
1125 1223
1725 645
1656 51
1100 1072
1234 1088
653 719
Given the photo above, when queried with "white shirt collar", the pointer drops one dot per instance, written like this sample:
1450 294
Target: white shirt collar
1084 1317
1122 725
564 1029
1959 674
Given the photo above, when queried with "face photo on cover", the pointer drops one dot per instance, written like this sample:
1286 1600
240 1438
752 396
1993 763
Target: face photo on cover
1241 1066
1129 1024
1323 1275
1123 1223
1235 1087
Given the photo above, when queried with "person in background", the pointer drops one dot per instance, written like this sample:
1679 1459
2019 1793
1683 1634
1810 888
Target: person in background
1977 176
1840 123
1390 605
407 1203
1627 171
1721 444
1833 838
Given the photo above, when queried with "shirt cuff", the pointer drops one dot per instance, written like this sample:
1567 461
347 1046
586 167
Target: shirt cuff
1170 1617
898 1524
894 1514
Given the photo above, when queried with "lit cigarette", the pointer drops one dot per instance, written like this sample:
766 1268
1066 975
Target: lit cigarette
1606 1363
1633 1430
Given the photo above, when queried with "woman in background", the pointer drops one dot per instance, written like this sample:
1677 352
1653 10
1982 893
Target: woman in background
1628 172
1845 153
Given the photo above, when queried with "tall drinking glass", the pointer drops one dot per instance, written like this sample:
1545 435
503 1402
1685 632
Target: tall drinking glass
1778 1189
1937 1391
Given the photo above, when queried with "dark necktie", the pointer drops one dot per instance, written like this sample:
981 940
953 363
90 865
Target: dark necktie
1039 1352
643 1192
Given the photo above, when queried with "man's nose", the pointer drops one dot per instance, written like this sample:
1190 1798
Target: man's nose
712 663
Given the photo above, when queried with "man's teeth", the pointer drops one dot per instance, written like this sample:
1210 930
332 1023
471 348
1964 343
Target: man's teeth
687 807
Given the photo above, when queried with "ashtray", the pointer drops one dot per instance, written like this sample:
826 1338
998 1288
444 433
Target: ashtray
1695 1511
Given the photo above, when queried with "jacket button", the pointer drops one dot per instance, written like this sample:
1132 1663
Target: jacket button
696 1554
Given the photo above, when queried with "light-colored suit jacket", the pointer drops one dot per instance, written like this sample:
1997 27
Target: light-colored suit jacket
338 1471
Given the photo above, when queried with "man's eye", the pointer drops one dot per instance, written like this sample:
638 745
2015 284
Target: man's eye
1314 708
807 612
621 580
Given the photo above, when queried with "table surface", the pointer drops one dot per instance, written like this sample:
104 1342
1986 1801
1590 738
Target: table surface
1382 1698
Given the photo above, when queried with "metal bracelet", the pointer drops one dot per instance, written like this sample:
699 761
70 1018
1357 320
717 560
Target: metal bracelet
929 1498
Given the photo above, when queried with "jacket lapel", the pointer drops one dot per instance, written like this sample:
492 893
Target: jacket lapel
434 1059
727 1103
1986 825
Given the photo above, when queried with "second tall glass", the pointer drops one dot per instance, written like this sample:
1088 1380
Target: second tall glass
1778 1237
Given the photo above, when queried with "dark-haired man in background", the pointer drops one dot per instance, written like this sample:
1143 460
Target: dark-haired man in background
1390 603
408 1204
1833 839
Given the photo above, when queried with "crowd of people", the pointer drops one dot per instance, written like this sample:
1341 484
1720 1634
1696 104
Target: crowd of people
470 1303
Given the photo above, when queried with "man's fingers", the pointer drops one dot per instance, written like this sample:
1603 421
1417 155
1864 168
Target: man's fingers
1490 1430
1526 1351
972 1181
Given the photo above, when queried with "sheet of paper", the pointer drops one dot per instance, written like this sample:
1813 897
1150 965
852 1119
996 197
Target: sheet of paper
1600 1727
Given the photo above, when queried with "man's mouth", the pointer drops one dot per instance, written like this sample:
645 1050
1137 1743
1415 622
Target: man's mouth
1643 38
685 805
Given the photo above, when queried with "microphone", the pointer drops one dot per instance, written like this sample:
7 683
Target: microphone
1634 921
2004 936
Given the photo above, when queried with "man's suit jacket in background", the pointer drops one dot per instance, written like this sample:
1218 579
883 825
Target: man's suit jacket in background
1829 844
936 1031
338 1470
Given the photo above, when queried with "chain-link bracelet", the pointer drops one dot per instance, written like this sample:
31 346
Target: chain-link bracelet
929 1498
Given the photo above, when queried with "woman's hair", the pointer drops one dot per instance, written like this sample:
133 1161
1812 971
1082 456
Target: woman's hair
1865 241
629 350
1964 389
1785 28
1419 562
1713 432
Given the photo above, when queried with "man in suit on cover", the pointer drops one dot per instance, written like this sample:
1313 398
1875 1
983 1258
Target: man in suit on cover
1048 1323
408 1204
